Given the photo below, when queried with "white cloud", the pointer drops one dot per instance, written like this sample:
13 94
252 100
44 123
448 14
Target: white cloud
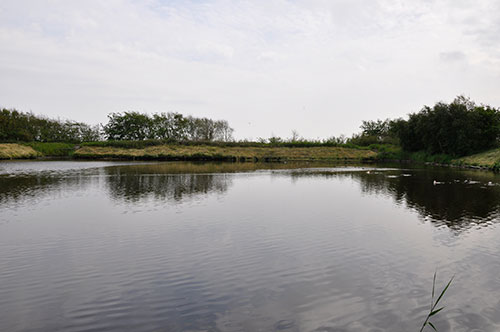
452 56
316 66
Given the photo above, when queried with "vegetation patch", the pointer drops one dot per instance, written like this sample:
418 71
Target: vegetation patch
17 151
490 159
230 153
53 149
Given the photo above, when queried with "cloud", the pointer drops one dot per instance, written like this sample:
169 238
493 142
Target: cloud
317 66
452 56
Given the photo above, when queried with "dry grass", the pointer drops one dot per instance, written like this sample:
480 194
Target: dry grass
488 158
17 151
220 153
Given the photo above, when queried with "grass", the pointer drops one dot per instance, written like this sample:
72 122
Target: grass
17 151
234 153
388 152
490 159
422 156
433 308
54 149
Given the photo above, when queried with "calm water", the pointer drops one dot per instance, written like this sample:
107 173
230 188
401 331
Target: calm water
90 246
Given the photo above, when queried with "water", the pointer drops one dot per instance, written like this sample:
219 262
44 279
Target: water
91 246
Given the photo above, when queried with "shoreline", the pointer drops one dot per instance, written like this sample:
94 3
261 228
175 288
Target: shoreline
177 152
201 152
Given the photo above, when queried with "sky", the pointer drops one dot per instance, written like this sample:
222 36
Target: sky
268 67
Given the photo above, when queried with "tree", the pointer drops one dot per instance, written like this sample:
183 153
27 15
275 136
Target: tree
458 128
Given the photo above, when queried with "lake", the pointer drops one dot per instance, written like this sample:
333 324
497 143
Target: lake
103 246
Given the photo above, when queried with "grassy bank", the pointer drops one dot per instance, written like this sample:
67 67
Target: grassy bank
489 159
251 151
233 153
53 149
484 160
17 151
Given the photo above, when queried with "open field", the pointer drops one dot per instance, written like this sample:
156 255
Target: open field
485 159
205 152
17 151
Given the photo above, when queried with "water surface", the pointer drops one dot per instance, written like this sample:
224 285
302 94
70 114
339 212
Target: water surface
91 246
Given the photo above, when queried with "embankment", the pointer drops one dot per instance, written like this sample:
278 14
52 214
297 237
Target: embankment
231 153
488 159
17 151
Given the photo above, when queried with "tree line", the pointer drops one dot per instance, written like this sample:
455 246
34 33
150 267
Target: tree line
166 126
459 128
18 126
27 127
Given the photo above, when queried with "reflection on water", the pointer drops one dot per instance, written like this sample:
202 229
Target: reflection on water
32 187
245 247
462 199
459 200
133 186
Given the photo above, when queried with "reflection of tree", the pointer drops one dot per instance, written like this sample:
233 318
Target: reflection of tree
131 182
455 203
130 185
24 187
178 180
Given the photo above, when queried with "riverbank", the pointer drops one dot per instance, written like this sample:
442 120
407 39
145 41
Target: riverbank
132 150
185 152
489 159
17 151
229 153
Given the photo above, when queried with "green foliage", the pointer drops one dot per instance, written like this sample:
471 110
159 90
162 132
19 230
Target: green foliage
389 152
17 126
426 157
128 126
496 167
53 149
377 128
376 132
126 144
165 126
459 128
274 140
302 143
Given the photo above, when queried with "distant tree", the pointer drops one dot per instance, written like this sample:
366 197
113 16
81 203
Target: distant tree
458 128
223 132
169 126
295 136
379 128
275 140
165 126
128 126
19 126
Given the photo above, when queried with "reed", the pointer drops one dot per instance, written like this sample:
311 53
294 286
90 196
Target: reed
433 308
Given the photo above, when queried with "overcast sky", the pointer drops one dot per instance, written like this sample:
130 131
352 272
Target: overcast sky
319 67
